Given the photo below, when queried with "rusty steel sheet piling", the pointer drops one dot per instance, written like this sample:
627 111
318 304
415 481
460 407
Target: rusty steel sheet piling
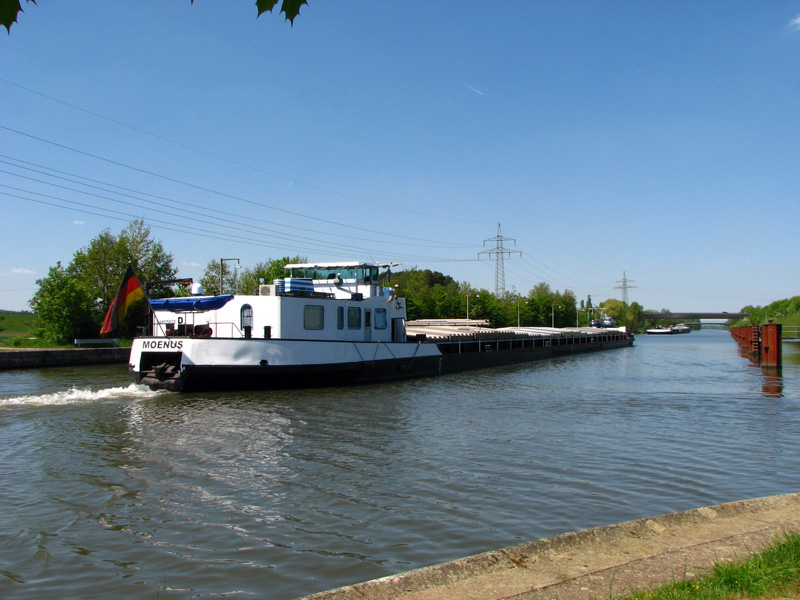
763 343
771 345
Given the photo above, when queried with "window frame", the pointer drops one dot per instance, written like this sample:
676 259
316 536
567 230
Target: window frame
353 310
245 316
311 314
381 319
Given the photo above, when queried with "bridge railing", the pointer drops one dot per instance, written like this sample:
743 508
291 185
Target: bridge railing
791 333
683 316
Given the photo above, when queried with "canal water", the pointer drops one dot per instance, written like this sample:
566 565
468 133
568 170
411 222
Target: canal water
107 488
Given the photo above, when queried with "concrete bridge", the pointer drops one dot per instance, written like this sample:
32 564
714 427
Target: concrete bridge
687 316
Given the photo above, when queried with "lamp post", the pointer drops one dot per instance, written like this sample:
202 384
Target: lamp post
221 261
476 295
553 308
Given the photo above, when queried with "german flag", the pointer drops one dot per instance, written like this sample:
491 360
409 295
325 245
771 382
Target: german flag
129 292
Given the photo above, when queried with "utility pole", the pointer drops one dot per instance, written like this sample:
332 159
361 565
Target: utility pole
222 261
499 252
625 285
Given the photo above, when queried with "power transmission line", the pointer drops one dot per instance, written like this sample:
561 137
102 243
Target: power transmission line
625 285
499 252
197 187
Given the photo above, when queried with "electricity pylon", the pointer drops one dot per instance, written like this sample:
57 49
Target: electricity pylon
625 285
499 254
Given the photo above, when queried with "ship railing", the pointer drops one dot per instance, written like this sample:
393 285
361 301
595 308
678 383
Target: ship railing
226 329
207 329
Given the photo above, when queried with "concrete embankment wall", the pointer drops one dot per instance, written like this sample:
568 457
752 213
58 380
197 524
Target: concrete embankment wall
68 357
596 563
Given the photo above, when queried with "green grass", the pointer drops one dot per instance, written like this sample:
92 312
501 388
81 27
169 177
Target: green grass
773 572
25 342
14 323
790 320
15 331
16 328
22 341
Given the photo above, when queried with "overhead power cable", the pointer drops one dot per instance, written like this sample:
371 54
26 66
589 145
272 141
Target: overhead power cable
306 243
178 203
229 160
202 188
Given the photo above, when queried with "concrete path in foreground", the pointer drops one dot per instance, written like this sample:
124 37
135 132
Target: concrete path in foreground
595 563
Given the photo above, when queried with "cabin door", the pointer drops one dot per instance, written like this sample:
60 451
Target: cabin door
367 325
246 318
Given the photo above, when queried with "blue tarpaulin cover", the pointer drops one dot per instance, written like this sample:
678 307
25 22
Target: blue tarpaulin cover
191 303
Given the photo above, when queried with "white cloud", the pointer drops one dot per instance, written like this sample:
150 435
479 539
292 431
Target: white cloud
22 272
190 264
79 222
795 23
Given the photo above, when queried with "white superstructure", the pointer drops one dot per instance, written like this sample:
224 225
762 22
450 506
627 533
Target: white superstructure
318 301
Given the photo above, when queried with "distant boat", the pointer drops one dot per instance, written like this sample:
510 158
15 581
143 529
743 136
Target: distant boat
672 329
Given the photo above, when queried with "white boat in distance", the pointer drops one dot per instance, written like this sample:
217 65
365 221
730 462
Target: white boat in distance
672 329
328 324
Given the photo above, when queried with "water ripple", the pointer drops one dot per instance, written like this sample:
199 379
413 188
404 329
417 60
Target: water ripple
110 486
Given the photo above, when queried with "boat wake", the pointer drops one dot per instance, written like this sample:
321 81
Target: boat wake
81 395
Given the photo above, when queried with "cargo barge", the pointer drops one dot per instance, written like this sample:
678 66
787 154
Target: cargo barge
329 324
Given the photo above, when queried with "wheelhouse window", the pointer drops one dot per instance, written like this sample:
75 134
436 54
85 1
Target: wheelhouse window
380 318
314 317
369 275
354 318
246 316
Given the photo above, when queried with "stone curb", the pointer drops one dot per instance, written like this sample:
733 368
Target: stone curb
638 553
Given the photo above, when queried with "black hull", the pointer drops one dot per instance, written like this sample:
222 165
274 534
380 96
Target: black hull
455 358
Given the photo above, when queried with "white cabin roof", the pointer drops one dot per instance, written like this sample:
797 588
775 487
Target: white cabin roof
333 265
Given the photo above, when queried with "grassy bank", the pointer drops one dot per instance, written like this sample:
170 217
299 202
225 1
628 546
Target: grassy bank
15 323
16 333
775 572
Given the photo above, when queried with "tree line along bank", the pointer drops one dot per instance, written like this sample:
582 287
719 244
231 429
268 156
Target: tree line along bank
72 300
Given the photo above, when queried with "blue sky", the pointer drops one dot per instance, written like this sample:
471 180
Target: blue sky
656 139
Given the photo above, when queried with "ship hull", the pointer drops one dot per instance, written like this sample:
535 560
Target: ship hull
187 365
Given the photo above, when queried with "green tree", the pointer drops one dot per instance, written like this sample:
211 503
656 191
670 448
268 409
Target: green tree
541 300
616 309
635 317
92 280
482 306
216 269
101 265
780 311
245 280
566 313
446 301
266 271
64 308
10 9
428 294
631 316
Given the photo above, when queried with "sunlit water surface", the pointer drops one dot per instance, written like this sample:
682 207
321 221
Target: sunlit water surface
107 488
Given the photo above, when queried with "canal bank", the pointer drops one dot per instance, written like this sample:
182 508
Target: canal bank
598 562
62 357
